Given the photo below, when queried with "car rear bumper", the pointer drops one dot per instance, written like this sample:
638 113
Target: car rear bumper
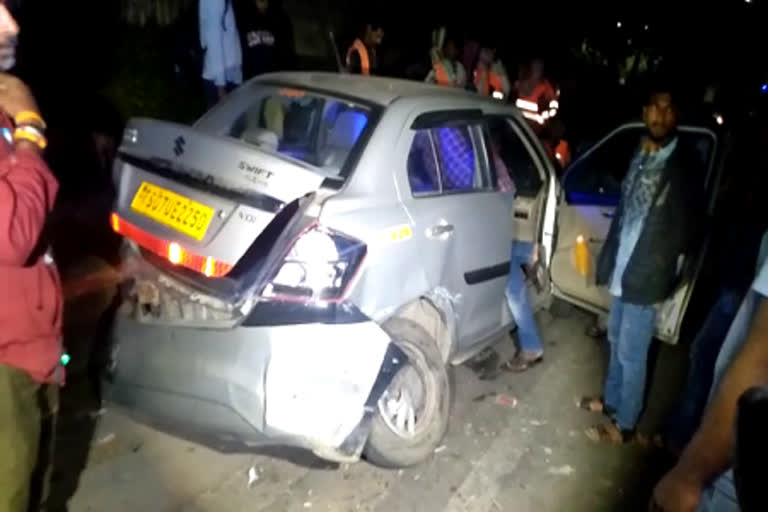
311 385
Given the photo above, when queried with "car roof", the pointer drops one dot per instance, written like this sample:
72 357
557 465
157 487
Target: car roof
372 89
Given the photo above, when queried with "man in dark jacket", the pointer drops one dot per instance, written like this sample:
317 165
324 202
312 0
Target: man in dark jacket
653 230
266 36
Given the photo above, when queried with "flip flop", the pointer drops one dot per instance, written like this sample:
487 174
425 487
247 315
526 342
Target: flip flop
594 404
519 364
609 434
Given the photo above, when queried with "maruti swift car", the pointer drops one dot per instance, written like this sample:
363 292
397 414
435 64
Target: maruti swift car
306 262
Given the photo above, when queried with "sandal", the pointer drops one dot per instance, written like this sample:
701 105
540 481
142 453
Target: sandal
609 433
521 363
594 404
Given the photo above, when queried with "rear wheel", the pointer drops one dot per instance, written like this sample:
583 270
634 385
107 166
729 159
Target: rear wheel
412 414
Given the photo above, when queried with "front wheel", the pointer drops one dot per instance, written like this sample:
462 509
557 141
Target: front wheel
412 414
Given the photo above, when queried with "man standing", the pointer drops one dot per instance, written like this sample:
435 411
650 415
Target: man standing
490 77
652 231
266 37
30 295
361 55
446 70
222 59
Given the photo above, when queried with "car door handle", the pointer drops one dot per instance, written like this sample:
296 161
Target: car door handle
440 231
607 214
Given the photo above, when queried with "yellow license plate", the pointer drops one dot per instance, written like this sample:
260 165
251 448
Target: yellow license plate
174 210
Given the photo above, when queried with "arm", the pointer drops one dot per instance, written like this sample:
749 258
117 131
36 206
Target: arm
461 75
430 79
354 63
709 452
211 39
27 191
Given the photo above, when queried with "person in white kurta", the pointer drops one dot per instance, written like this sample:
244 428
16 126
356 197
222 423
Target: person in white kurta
219 38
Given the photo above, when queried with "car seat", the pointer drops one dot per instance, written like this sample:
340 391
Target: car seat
342 138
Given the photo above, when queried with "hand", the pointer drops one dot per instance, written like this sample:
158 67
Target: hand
676 492
535 255
15 96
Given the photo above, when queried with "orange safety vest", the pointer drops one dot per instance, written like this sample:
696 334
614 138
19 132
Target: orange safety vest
541 104
485 80
442 76
365 62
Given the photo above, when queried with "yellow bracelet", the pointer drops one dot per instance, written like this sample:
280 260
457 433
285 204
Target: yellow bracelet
28 115
30 135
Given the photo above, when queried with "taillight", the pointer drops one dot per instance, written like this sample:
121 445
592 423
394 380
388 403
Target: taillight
170 251
321 266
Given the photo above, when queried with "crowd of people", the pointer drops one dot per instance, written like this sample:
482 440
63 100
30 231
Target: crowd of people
655 227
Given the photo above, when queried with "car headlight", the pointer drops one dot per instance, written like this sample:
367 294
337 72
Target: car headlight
321 266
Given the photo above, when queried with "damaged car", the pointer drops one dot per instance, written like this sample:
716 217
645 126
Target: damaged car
305 263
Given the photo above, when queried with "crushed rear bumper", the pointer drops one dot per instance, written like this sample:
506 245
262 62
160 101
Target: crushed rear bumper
312 385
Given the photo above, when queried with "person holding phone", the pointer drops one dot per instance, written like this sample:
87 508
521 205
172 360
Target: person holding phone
30 295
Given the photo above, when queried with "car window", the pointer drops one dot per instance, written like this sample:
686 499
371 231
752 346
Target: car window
316 129
596 178
513 167
446 160
422 165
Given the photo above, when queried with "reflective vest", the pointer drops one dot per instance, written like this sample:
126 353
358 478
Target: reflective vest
541 104
445 75
486 80
365 62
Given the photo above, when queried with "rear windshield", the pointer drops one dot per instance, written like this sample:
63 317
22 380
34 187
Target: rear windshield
317 129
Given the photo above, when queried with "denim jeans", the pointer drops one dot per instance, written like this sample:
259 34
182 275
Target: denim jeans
704 350
630 331
720 496
518 301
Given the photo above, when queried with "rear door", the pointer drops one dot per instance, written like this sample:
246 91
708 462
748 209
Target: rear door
591 190
460 220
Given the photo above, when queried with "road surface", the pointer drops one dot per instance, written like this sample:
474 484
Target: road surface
496 457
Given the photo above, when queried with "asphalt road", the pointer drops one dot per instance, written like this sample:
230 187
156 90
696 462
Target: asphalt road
496 456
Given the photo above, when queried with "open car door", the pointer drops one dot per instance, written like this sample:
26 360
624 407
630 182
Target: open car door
591 191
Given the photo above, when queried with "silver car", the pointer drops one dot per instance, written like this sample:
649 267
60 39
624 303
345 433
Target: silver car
306 263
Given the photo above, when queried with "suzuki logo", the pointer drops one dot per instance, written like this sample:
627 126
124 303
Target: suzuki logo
178 145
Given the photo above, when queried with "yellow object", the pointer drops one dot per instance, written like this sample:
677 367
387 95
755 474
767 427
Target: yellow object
173 210
581 256
400 233
26 116
32 135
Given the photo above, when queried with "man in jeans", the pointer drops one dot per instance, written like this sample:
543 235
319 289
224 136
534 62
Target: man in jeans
652 231
30 294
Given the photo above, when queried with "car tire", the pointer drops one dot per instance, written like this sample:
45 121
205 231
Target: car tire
388 448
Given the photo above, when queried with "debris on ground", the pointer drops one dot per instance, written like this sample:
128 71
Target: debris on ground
253 476
440 448
537 423
106 439
307 504
548 450
562 470
506 400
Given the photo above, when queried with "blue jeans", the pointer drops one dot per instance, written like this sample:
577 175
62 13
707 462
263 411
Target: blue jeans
517 299
704 350
630 331
720 496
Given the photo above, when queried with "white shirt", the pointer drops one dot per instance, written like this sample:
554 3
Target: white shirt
223 61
